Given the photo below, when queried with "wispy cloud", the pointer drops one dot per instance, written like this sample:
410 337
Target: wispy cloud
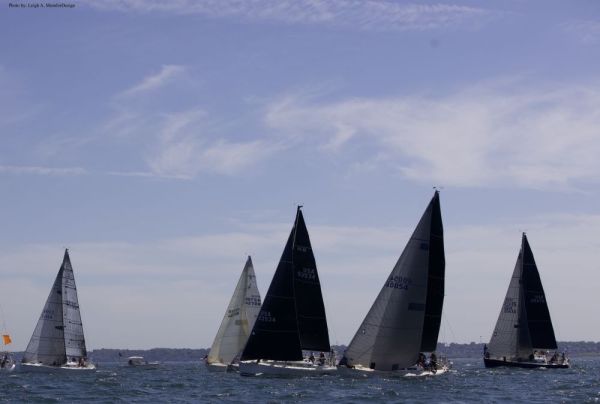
358 14
37 170
487 135
154 81
183 149
588 31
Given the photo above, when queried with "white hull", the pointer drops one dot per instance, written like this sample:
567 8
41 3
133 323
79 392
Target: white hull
38 367
276 368
438 372
8 368
361 371
216 367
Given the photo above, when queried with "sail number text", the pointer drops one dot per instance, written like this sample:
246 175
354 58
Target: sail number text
510 306
398 282
266 317
308 274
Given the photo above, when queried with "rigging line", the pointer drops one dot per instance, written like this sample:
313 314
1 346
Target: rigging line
447 323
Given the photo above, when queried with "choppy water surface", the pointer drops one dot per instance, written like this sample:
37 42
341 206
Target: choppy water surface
190 382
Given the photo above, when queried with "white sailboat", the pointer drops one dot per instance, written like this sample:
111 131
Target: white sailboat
140 362
237 322
292 317
58 342
404 320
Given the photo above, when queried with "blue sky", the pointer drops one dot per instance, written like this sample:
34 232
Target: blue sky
164 141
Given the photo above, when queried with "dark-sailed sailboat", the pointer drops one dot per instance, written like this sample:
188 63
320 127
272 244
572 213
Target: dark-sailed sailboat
292 316
524 335
58 341
404 321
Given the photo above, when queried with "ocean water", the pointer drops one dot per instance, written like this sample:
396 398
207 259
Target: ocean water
469 381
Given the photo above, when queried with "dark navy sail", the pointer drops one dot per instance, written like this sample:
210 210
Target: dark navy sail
435 278
292 317
524 329
275 332
541 332
310 310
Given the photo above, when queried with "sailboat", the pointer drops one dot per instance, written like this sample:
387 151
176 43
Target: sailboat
7 363
404 320
524 334
58 341
237 322
292 317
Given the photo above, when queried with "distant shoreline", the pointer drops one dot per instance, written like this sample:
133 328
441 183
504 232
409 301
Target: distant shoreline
452 350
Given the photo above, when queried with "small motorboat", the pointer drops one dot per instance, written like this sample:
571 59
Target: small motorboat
140 362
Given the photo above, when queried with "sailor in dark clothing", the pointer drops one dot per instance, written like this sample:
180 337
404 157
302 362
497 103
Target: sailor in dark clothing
433 362
422 359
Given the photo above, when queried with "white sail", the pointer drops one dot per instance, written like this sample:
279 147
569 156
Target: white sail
238 320
390 336
58 335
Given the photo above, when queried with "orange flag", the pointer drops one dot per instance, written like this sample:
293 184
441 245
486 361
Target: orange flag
6 339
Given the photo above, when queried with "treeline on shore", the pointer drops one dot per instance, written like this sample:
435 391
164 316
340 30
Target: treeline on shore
452 351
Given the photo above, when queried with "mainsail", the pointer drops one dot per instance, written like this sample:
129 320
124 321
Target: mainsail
405 317
58 335
524 322
292 317
238 320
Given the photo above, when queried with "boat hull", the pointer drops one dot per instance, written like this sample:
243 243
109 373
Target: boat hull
494 363
38 367
360 371
8 368
216 367
289 369
149 365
